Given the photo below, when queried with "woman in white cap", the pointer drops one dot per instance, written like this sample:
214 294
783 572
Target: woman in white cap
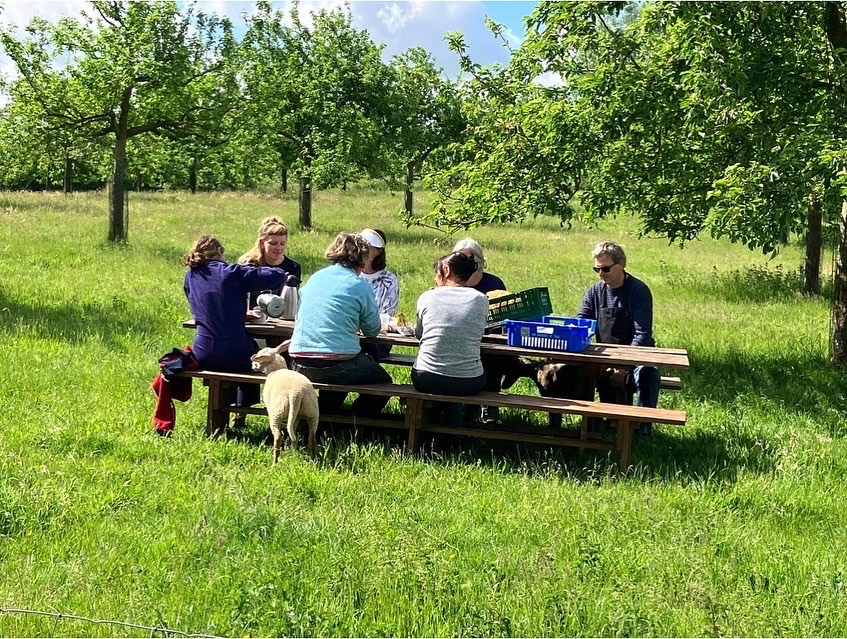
482 281
385 284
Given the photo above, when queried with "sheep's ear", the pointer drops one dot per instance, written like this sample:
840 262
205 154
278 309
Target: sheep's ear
283 348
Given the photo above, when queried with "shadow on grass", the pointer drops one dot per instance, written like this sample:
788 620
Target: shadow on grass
797 384
74 323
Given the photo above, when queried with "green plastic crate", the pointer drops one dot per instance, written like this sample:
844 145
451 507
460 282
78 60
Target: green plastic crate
531 304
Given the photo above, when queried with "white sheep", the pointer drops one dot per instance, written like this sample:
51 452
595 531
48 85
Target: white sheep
288 396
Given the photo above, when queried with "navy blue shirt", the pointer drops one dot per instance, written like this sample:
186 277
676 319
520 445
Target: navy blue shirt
489 282
633 296
216 293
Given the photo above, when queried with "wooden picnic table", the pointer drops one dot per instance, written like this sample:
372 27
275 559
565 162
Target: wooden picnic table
615 355
416 417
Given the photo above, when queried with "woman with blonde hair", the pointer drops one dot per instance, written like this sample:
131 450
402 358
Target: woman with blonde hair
339 304
270 249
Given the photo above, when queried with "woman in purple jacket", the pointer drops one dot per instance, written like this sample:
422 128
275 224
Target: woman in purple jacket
216 292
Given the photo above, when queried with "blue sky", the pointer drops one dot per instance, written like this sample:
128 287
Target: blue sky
399 24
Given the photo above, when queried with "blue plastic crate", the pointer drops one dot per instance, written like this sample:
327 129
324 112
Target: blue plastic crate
554 333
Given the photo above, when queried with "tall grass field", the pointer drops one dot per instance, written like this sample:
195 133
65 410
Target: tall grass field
731 525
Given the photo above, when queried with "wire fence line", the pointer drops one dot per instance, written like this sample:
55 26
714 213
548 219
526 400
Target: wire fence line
59 616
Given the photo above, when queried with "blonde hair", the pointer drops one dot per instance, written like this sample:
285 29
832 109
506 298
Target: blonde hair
348 250
269 226
203 251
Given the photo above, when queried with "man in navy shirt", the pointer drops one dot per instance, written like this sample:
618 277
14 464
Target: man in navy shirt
623 307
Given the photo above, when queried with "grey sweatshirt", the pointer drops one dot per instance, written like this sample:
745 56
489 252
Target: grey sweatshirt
450 324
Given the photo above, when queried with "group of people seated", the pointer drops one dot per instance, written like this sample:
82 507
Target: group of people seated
355 295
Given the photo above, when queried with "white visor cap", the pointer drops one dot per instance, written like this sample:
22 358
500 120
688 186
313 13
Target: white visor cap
372 238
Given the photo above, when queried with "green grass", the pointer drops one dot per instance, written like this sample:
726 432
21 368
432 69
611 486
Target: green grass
731 525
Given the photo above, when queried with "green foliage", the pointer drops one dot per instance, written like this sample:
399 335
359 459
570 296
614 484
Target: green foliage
695 117
426 110
131 69
316 94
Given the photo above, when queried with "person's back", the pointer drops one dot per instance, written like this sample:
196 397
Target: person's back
451 323
334 305
215 292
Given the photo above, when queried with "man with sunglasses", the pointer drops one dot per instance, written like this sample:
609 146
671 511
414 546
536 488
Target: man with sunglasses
623 307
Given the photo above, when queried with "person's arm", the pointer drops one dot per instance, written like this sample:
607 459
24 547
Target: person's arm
257 278
641 302
587 310
419 325
369 320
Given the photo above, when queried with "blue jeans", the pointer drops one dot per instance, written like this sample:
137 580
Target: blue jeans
647 383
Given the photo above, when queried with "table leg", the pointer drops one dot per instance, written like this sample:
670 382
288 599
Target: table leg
624 442
216 418
414 417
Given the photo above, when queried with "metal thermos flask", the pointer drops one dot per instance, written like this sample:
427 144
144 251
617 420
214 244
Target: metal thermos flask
291 297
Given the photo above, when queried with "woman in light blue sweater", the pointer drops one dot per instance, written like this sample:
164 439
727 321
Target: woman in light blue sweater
334 305
450 322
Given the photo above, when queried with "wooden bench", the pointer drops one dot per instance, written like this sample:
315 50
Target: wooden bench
402 359
417 418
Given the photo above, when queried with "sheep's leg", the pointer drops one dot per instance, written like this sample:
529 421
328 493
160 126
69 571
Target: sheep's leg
277 444
313 437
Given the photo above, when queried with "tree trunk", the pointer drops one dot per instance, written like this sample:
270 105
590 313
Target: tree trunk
284 177
344 185
192 176
838 356
306 202
407 196
812 267
117 223
68 185
117 226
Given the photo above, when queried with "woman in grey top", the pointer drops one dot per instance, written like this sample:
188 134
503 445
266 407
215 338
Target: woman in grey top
450 322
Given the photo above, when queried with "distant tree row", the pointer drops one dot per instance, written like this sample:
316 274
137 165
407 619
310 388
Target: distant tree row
146 95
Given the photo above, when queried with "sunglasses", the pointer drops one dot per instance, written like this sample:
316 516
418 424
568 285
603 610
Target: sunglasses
603 269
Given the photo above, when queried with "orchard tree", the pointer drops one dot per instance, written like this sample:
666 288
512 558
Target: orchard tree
319 92
124 70
522 152
426 113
